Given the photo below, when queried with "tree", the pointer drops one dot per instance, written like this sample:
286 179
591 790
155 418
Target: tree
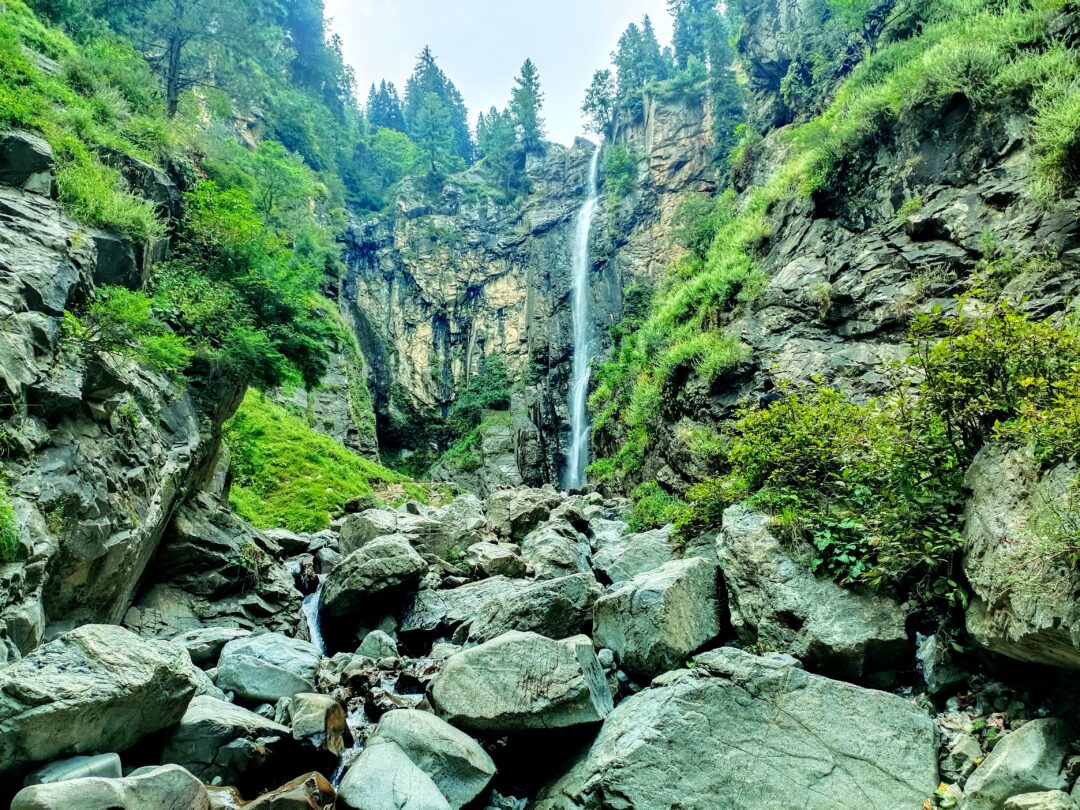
497 145
525 102
599 104
691 22
432 130
384 107
281 180
427 88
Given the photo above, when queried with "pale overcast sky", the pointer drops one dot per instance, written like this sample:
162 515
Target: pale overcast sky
480 44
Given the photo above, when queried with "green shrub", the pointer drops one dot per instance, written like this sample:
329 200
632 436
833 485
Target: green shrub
489 389
653 508
9 535
620 172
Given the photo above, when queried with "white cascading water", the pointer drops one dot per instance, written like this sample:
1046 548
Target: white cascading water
584 345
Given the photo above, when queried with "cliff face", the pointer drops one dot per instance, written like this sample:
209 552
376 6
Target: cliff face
445 279
97 451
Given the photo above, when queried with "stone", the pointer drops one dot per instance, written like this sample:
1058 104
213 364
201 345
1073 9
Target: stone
513 513
431 611
291 543
554 608
1021 607
1027 760
378 644
625 556
206 685
555 549
428 536
1044 800
466 512
456 763
96 688
26 161
311 791
204 643
222 743
267 667
319 721
370 578
168 787
384 778
522 681
103 765
961 757
744 732
655 620
494 559
778 602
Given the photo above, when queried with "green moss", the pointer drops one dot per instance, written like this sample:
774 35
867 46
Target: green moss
286 474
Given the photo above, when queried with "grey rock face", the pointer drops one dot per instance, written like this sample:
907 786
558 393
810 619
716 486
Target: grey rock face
97 688
1027 760
620 557
169 787
267 667
555 608
26 161
743 732
1024 609
1044 800
204 644
496 461
494 559
431 610
513 513
555 549
456 763
660 617
219 741
522 681
384 778
367 579
426 535
378 644
777 601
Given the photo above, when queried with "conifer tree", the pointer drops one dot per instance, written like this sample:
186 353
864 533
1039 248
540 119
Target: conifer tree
526 100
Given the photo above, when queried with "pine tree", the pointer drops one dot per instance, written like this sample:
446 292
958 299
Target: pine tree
692 20
599 104
526 100
428 86
384 107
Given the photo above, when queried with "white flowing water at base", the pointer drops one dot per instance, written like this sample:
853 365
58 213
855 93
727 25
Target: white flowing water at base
584 346
310 608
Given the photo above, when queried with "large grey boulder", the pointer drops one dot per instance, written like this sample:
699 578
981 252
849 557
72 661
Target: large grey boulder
431 611
660 617
777 602
384 778
204 644
494 559
104 765
370 578
1023 607
264 668
555 608
319 721
426 535
456 763
522 681
743 732
624 556
26 161
223 743
168 787
555 549
1027 760
513 513
1043 800
97 688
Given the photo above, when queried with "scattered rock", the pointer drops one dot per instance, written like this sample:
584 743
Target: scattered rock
555 549
660 617
493 559
739 732
428 536
167 787
204 644
432 611
319 721
624 556
1027 760
513 513
522 681
267 667
1045 800
554 608
384 778
309 792
378 644
368 579
103 765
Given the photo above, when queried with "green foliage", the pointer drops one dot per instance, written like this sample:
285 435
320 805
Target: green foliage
436 118
9 535
620 172
286 474
599 103
489 389
653 508
525 102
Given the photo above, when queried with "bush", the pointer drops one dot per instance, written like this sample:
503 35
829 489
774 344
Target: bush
653 508
489 389
620 172
9 535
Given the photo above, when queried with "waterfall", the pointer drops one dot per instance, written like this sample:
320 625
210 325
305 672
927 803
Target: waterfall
310 607
583 337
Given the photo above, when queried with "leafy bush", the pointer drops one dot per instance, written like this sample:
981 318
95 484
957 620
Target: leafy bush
653 508
9 536
489 389
620 172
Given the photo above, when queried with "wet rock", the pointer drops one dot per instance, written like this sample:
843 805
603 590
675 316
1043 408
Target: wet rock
1027 760
267 667
528 682
624 556
658 618
554 608
169 786
370 578
378 644
737 731
776 601
319 721
494 559
513 513
103 765
26 161
384 778
1045 800
309 792
456 763
555 549
222 743
97 688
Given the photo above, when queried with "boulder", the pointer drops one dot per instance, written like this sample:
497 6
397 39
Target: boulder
466 512
204 643
623 557
291 543
370 578
658 618
432 611
744 732
494 559
522 681
26 161
168 787
311 791
513 513
456 763
556 549
555 608
223 743
378 644
319 721
104 765
1044 800
1021 607
96 688
1028 760
777 602
384 778
267 667
428 536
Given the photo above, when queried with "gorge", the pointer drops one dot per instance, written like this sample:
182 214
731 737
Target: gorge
368 455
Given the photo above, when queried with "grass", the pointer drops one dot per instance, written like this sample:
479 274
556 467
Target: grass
288 475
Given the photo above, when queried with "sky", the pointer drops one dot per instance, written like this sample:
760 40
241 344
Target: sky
480 45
